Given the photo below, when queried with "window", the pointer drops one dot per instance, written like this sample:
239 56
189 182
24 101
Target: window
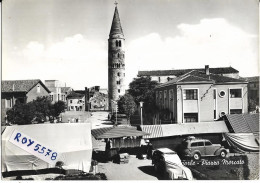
171 95
215 114
235 93
190 117
160 95
235 111
51 97
208 143
214 94
119 44
194 144
38 89
159 79
8 103
118 90
191 94
222 93
116 43
118 74
58 96
71 101
118 82
200 143
118 55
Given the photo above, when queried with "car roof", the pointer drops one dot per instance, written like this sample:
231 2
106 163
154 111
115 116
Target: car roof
166 151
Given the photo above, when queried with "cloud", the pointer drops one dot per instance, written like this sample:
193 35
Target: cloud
81 62
214 42
75 60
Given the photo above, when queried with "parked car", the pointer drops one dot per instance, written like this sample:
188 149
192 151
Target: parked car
196 148
167 163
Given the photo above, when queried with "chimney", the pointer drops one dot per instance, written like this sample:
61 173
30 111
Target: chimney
86 99
207 69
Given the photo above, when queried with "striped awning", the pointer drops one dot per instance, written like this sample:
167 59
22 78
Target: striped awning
168 130
99 131
154 131
244 123
117 132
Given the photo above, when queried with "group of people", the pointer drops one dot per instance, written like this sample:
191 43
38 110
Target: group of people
73 120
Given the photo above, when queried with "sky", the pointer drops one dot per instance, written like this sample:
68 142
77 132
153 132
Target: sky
67 40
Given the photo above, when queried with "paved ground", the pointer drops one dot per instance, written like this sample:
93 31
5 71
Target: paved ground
97 119
134 170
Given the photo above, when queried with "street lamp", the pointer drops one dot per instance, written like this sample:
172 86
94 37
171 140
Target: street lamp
141 107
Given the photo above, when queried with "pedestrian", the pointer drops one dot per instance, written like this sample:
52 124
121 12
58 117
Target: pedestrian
149 150
94 164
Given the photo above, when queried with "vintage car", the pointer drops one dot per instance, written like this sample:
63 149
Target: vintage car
168 164
196 148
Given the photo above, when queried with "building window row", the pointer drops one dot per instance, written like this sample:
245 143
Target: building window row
116 65
118 82
190 94
118 43
190 117
235 93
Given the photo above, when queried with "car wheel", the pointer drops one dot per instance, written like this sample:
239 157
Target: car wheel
196 156
223 154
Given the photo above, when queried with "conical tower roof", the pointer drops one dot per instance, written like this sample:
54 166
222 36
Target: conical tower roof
116 29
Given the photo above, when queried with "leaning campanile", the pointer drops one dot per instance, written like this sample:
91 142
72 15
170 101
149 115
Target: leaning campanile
116 61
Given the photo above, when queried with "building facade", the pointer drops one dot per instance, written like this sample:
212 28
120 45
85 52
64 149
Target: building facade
200 97
253 93
162 76
76 102
57 93
116 61
22 91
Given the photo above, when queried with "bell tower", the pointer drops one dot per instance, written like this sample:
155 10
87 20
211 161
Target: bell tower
116 61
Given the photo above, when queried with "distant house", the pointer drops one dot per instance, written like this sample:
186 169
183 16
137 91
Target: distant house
253 92
22 91
76 102
55 87
200 96
66 90
99 101
163 76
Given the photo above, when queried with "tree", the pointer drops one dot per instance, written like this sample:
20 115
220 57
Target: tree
36 110
21 114
58 108
143 89
127 105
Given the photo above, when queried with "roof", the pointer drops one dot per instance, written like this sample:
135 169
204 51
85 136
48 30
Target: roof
244 123
116 25
252 79
195 76
184 129
178 72
21 85
153 130
166 150
65 89
116 132
74 95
